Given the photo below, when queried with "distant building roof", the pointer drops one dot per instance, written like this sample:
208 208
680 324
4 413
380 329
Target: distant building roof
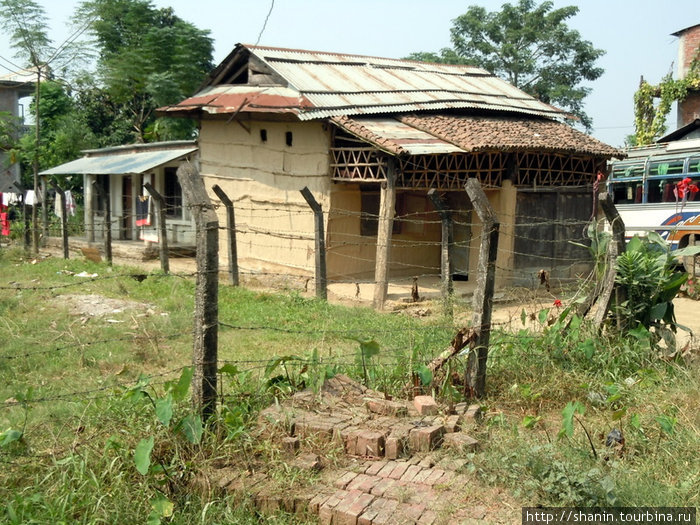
682 132
314 85
679 33
23 81
131 159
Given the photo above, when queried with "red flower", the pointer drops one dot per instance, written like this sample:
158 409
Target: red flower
685 186
557 303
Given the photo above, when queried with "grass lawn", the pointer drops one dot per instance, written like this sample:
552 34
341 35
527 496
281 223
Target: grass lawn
91 356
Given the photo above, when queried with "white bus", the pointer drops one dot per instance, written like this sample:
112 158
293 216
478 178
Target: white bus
645 187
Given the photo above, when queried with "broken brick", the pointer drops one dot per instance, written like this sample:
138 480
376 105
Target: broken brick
425 405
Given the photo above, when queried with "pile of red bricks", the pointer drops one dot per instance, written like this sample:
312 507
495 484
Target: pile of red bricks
395 480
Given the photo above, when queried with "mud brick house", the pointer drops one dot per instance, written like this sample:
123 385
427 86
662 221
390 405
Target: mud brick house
273 121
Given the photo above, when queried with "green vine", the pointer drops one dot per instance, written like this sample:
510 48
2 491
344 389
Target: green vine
650 118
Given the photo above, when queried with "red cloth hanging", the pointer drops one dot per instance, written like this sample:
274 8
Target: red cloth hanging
5 222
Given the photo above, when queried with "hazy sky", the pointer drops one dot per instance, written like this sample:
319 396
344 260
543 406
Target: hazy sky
636 35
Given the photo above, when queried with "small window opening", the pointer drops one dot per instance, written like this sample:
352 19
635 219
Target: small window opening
288 138
263 135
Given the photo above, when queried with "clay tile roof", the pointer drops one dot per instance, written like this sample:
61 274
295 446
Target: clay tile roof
482 133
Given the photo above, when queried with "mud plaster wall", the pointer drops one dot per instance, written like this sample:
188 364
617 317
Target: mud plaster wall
415 246
263 176
503 201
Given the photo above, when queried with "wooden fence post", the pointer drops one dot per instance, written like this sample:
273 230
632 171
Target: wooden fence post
64 218
162 231
386 223
320 244
475 379
107 222
206 300
231 228
446 244
615 248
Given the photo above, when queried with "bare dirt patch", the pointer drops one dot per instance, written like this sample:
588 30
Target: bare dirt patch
94 305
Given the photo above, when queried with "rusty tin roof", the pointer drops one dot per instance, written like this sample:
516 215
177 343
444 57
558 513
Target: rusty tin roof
314 85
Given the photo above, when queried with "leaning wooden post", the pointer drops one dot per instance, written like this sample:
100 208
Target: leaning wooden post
446 242
108 221
615 248
64 219
231 228
206 299
162 230
386 223
320 244
483 295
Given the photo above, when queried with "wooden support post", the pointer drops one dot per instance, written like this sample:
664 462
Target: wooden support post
446 244
386 223
90 206
320 244
107 221
44 211
162 231
483 295
206 300
615 248
64 218
231 229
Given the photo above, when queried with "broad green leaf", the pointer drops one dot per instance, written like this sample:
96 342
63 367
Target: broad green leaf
9 436
640 333
369 348
619 414
142 455
588 348
182 387
567 423
425 375
523 316
667 424
163 506
229 370
531 421
635 421
164 409
658 311
542 315
276 361
191 428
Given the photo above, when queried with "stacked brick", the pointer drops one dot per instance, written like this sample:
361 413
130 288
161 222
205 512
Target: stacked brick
395 483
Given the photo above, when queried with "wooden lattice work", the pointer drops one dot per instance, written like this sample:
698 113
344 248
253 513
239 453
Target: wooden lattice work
553 169
451 171
358 164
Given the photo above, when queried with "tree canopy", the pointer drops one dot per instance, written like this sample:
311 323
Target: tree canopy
148 57
531 47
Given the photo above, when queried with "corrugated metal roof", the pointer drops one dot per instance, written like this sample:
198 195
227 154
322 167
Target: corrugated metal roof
395 137
322 85
129 161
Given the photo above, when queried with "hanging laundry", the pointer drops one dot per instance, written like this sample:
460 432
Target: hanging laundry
143 211
31 198
5 224
9 199
70 204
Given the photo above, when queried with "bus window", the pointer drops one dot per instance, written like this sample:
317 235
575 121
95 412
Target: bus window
666 167
626 192
628 171
694 165
655 191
